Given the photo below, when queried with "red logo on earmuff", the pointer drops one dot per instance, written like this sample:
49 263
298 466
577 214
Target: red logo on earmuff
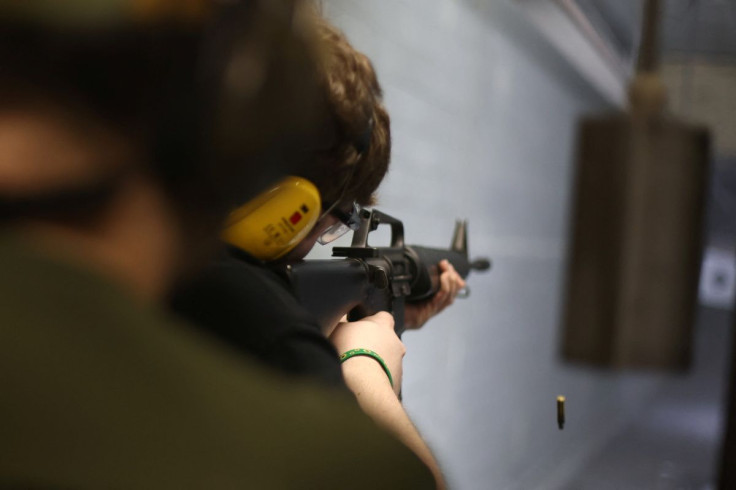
295 218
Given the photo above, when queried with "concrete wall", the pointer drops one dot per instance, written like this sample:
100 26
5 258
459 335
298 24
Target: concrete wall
484 117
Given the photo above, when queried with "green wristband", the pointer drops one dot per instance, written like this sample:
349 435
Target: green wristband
368 353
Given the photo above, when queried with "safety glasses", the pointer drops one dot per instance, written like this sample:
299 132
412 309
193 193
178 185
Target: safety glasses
346 221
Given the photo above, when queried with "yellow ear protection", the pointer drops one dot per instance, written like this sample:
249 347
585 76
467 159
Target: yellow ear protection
274 222
271 225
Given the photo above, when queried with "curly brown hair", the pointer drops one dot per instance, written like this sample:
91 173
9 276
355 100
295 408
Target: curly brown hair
354 159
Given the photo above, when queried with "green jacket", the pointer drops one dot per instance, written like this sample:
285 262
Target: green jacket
100 391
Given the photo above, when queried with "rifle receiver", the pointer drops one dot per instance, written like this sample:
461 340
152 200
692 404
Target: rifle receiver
371 279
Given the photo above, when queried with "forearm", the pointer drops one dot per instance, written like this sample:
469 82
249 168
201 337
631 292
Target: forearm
367 380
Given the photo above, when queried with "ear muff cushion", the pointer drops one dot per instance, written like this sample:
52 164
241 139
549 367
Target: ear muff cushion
275 221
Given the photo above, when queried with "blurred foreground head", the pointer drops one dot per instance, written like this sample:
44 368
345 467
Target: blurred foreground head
207 101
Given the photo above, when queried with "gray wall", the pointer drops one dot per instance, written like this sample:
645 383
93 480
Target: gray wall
483 124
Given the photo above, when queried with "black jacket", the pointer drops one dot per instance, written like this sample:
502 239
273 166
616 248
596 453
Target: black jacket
251 308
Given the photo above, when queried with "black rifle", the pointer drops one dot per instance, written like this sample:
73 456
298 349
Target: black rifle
372 279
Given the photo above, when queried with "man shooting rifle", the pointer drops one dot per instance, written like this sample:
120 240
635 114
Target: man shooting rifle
240 298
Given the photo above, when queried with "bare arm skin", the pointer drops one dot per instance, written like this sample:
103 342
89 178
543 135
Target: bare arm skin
365 377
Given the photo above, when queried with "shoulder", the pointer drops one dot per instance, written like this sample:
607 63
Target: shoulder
237 290
252 309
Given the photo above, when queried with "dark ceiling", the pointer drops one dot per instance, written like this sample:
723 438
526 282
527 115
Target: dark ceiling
705 28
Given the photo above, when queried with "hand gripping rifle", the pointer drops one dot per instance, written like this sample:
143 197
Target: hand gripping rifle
372 279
